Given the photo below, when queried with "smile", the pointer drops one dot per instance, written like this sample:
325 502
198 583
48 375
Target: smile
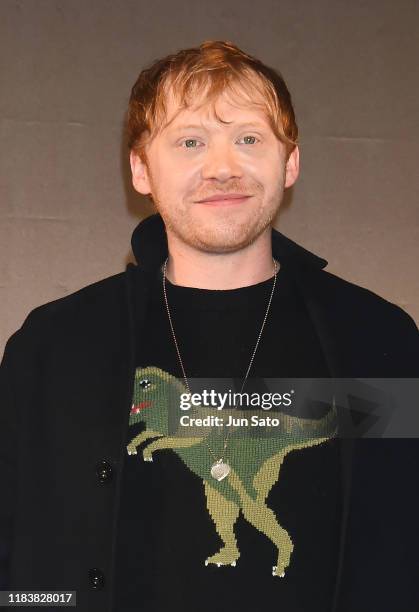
225 202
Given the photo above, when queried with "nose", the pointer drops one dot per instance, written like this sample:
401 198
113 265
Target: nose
221 163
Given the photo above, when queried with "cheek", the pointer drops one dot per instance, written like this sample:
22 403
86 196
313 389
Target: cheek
276 176
185 180
266 170
176 174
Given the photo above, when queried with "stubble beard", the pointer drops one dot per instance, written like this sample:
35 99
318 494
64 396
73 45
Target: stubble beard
223 233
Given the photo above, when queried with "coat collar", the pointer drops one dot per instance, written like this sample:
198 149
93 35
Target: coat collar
149 245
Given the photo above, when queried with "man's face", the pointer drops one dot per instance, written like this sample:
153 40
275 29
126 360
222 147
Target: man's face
196 157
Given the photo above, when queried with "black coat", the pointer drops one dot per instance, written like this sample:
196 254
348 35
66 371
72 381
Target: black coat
66 383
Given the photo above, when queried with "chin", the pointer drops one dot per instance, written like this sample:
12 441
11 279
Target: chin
222 234
222 239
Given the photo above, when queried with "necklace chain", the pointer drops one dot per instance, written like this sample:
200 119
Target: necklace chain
251 360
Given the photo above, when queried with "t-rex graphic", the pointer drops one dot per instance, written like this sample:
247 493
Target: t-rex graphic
255 461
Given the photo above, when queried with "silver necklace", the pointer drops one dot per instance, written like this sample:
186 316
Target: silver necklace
220 469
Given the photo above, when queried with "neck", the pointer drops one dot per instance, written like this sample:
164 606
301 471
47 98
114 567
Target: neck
189 267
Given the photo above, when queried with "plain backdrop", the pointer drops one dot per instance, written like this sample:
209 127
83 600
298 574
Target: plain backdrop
67 208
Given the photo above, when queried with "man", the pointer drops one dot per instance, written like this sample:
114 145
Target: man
99 496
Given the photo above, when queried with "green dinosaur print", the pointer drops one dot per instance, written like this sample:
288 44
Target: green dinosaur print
254 461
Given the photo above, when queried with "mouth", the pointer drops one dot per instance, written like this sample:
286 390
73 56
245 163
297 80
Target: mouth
224 201
135 409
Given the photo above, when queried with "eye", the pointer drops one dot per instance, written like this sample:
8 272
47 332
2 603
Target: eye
145 383
188 141
254 138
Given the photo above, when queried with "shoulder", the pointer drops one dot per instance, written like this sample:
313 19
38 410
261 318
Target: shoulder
340 299
347 297
90 296
94 304
354 302
368 328
372 336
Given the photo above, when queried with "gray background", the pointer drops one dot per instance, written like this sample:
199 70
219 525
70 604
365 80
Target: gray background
67 208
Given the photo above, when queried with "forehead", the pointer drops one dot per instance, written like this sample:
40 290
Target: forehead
231 108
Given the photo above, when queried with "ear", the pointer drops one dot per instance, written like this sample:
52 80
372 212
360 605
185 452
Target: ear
139 170
292 167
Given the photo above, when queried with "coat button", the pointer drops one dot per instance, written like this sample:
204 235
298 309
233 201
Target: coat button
96 579
104 471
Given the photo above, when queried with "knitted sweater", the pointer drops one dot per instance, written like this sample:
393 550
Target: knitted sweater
265 535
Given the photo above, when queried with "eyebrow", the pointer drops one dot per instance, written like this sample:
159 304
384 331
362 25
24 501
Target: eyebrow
195 126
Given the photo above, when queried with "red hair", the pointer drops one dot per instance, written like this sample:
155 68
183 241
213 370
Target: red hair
205 72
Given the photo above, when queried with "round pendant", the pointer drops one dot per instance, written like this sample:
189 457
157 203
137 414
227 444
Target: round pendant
220 470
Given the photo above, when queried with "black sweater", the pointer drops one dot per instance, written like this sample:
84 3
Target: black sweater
166 530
